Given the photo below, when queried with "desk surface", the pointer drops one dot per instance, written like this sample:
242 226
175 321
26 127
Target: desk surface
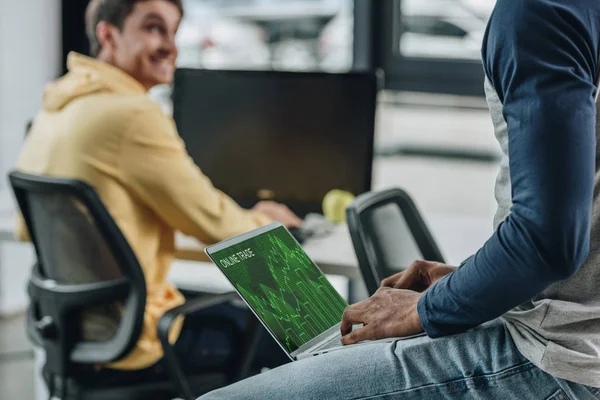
457 237
7 225
333 253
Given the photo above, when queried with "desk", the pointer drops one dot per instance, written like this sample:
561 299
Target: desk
7 226
457 237
333 253
193 271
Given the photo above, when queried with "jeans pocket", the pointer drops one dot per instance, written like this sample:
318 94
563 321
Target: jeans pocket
559 395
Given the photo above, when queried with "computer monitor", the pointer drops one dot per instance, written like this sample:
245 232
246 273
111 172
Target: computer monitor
285 136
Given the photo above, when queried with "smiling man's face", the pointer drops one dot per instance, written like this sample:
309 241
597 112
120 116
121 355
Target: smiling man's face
145 46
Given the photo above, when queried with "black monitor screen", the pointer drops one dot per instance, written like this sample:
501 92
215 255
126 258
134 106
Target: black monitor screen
288 136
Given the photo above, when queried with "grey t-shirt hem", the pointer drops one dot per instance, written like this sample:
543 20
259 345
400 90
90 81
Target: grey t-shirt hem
550 357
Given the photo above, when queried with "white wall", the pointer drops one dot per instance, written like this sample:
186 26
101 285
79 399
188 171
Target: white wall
16 260
30 56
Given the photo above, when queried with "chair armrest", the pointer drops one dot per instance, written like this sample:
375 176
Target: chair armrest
164 326
192 306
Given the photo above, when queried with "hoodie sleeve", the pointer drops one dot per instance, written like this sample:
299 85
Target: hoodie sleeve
156 166
21 231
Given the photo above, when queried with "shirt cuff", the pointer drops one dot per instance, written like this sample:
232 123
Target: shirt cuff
423 308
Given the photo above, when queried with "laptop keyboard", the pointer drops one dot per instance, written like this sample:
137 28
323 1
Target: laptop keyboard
335 341
331 343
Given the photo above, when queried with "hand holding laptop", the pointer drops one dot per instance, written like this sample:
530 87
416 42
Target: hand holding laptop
388 313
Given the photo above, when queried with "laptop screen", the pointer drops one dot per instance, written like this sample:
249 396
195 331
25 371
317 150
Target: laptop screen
283 286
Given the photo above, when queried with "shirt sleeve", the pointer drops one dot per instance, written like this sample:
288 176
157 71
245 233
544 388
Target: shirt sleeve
156 166
541 57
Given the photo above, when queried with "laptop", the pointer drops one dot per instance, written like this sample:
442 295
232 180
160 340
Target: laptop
284 288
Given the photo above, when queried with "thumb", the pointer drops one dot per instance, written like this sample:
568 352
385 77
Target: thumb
358 335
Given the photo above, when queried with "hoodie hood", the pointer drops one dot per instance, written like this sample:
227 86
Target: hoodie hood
86 76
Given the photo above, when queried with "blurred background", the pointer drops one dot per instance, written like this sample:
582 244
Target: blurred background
433 138
433 132
307 35
431 109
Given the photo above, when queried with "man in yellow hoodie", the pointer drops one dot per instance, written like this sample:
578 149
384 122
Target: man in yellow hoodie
99 126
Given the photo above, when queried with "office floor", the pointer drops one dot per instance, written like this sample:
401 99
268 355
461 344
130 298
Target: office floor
453 187
16 360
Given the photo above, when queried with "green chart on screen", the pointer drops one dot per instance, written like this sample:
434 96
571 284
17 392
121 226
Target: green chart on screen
276 277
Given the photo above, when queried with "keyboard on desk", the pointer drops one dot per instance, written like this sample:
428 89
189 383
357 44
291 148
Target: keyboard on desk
314 225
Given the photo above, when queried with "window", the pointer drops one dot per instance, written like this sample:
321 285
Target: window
432 26
302 35
431 45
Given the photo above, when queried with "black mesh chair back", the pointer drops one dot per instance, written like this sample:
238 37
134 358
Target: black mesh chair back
388 234
69 244
87 290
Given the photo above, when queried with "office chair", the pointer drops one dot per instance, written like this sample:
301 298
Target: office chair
388 234
86 269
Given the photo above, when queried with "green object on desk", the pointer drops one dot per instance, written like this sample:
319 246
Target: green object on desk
335 203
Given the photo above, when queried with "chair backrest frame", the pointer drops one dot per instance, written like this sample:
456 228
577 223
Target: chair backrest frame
371 269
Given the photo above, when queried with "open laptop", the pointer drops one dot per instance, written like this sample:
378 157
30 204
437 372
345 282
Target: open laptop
285 290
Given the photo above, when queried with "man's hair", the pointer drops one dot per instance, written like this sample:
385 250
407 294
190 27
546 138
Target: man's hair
114 12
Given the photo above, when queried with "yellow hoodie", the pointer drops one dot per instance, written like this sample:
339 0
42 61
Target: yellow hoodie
99 126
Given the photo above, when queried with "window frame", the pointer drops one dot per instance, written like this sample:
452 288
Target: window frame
377 32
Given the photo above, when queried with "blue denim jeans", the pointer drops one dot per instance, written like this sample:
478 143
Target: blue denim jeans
480 364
